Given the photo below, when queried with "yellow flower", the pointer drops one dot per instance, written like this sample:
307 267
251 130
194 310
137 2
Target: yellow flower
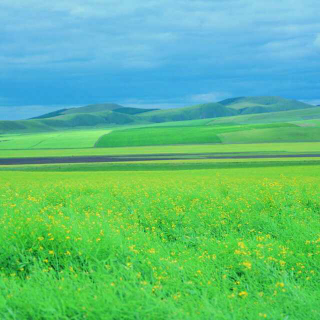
241 245
51 252
282 263
243 294
247 264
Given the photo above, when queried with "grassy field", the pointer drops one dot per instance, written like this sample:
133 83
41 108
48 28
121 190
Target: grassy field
237 243
159 136
52 140
201 131
176 239
254 148
264 135
272 117
165 165
259 133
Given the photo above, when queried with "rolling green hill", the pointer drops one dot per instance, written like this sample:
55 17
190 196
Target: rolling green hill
190 132
236 110
94 108
201 111
282 116
212 134
226 108
249 105
50 114
97 115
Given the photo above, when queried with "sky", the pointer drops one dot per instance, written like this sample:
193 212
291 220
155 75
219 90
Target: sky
155 53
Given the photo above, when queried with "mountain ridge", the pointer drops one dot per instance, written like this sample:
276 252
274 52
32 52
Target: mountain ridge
111 114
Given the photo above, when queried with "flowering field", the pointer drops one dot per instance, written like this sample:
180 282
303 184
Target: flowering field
201 244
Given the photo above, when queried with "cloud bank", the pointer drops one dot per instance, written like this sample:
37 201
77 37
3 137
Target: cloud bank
79 51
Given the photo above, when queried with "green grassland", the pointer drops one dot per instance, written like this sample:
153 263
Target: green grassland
159 136
167 165
173 133
272 117
131 127
282 134
226 239
52 140
226 108
221 243
263 104
260 133
254 148
77 119
210 110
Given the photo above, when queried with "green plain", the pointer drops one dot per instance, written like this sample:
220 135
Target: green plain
234 243
52 140
254 148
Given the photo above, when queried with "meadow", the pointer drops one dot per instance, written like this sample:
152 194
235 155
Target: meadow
193 132
233 243
52 140
187 237
57 151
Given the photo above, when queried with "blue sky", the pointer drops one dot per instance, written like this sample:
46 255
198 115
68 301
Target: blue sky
158 53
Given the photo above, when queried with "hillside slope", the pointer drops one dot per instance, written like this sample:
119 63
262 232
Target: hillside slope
272 117
201 111
226 108
88 116
94 108
250 105
109 114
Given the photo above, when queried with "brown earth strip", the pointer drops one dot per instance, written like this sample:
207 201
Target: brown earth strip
151 157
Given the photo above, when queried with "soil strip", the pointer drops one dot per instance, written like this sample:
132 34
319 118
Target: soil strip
150 157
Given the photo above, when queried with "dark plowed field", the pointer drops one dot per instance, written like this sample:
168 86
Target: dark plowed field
150 157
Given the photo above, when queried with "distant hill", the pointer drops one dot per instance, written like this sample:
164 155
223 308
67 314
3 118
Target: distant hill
226 108
271 117
201 111
94 108
250 105
88 116
109 114
51 114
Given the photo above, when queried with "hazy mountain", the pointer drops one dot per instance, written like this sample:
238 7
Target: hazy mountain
110 114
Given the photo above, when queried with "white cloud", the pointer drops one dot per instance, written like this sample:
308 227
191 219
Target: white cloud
148 34
315 102
287 48
177 101
155 105
209 97
195 45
